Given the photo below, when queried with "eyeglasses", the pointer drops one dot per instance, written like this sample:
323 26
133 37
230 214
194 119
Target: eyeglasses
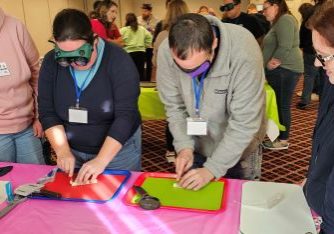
266 8
323 60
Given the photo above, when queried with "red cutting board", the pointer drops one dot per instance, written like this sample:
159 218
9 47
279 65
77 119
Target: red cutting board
107 187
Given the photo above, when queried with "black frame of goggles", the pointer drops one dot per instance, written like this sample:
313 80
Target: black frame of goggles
228 6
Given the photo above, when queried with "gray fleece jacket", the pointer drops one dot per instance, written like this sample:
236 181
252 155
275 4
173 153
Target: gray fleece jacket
233 99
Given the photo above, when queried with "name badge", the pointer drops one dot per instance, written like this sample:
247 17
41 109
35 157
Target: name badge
4 70
197 126
77 115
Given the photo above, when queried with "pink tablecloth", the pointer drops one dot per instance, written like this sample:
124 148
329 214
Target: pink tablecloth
45 216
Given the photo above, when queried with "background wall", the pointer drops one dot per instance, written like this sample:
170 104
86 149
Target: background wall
39 14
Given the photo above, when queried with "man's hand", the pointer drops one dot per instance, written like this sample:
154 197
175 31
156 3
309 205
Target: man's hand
37 128
183 162
196 178
66 162
90 170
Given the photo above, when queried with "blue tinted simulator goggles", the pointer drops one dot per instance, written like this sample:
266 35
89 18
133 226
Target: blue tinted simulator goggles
227 7
80 56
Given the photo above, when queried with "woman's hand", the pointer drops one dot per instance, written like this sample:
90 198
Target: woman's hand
90 170
66 162
37 128
273 63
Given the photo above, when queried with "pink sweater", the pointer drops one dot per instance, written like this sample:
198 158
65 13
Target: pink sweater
18 91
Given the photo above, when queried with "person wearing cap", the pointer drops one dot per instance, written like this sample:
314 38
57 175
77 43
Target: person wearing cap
210 78
233 15
148 21
20 129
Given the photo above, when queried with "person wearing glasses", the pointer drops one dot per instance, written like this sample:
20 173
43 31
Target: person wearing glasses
20 129
210 78
88 100
233 15
283 62
319 187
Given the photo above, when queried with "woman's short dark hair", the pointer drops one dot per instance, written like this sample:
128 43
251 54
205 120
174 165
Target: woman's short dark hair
282 8
72 24
191 32
131 20
323 21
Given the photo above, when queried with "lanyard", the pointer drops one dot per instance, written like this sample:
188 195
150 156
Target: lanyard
78 90
198 92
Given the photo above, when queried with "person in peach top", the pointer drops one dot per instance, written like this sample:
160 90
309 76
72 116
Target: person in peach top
20 129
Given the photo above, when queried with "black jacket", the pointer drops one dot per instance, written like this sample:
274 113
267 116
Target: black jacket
319 188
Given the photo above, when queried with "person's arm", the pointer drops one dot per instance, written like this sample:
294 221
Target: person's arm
171 97
32 58
58 140
48 117
147 38
285 36
125 89
246 108
176 112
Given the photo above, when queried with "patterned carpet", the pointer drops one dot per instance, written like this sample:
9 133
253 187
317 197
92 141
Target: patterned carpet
287 166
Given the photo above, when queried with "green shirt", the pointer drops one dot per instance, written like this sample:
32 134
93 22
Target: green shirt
282 42
136 40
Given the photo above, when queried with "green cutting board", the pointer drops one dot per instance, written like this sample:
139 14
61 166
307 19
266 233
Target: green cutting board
207 198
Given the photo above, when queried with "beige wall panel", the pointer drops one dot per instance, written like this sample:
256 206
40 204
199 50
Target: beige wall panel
13 8
55 7
125 7
38 23
77 4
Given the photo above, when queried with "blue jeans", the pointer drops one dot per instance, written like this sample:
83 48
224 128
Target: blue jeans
283 82
310 76
248 168
21 147
128 158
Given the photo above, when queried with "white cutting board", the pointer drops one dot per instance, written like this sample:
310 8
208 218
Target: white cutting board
289 212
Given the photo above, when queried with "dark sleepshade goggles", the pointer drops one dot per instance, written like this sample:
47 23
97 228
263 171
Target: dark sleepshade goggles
229 6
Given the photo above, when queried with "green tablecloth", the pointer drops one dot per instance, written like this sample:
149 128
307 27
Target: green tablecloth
151 107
